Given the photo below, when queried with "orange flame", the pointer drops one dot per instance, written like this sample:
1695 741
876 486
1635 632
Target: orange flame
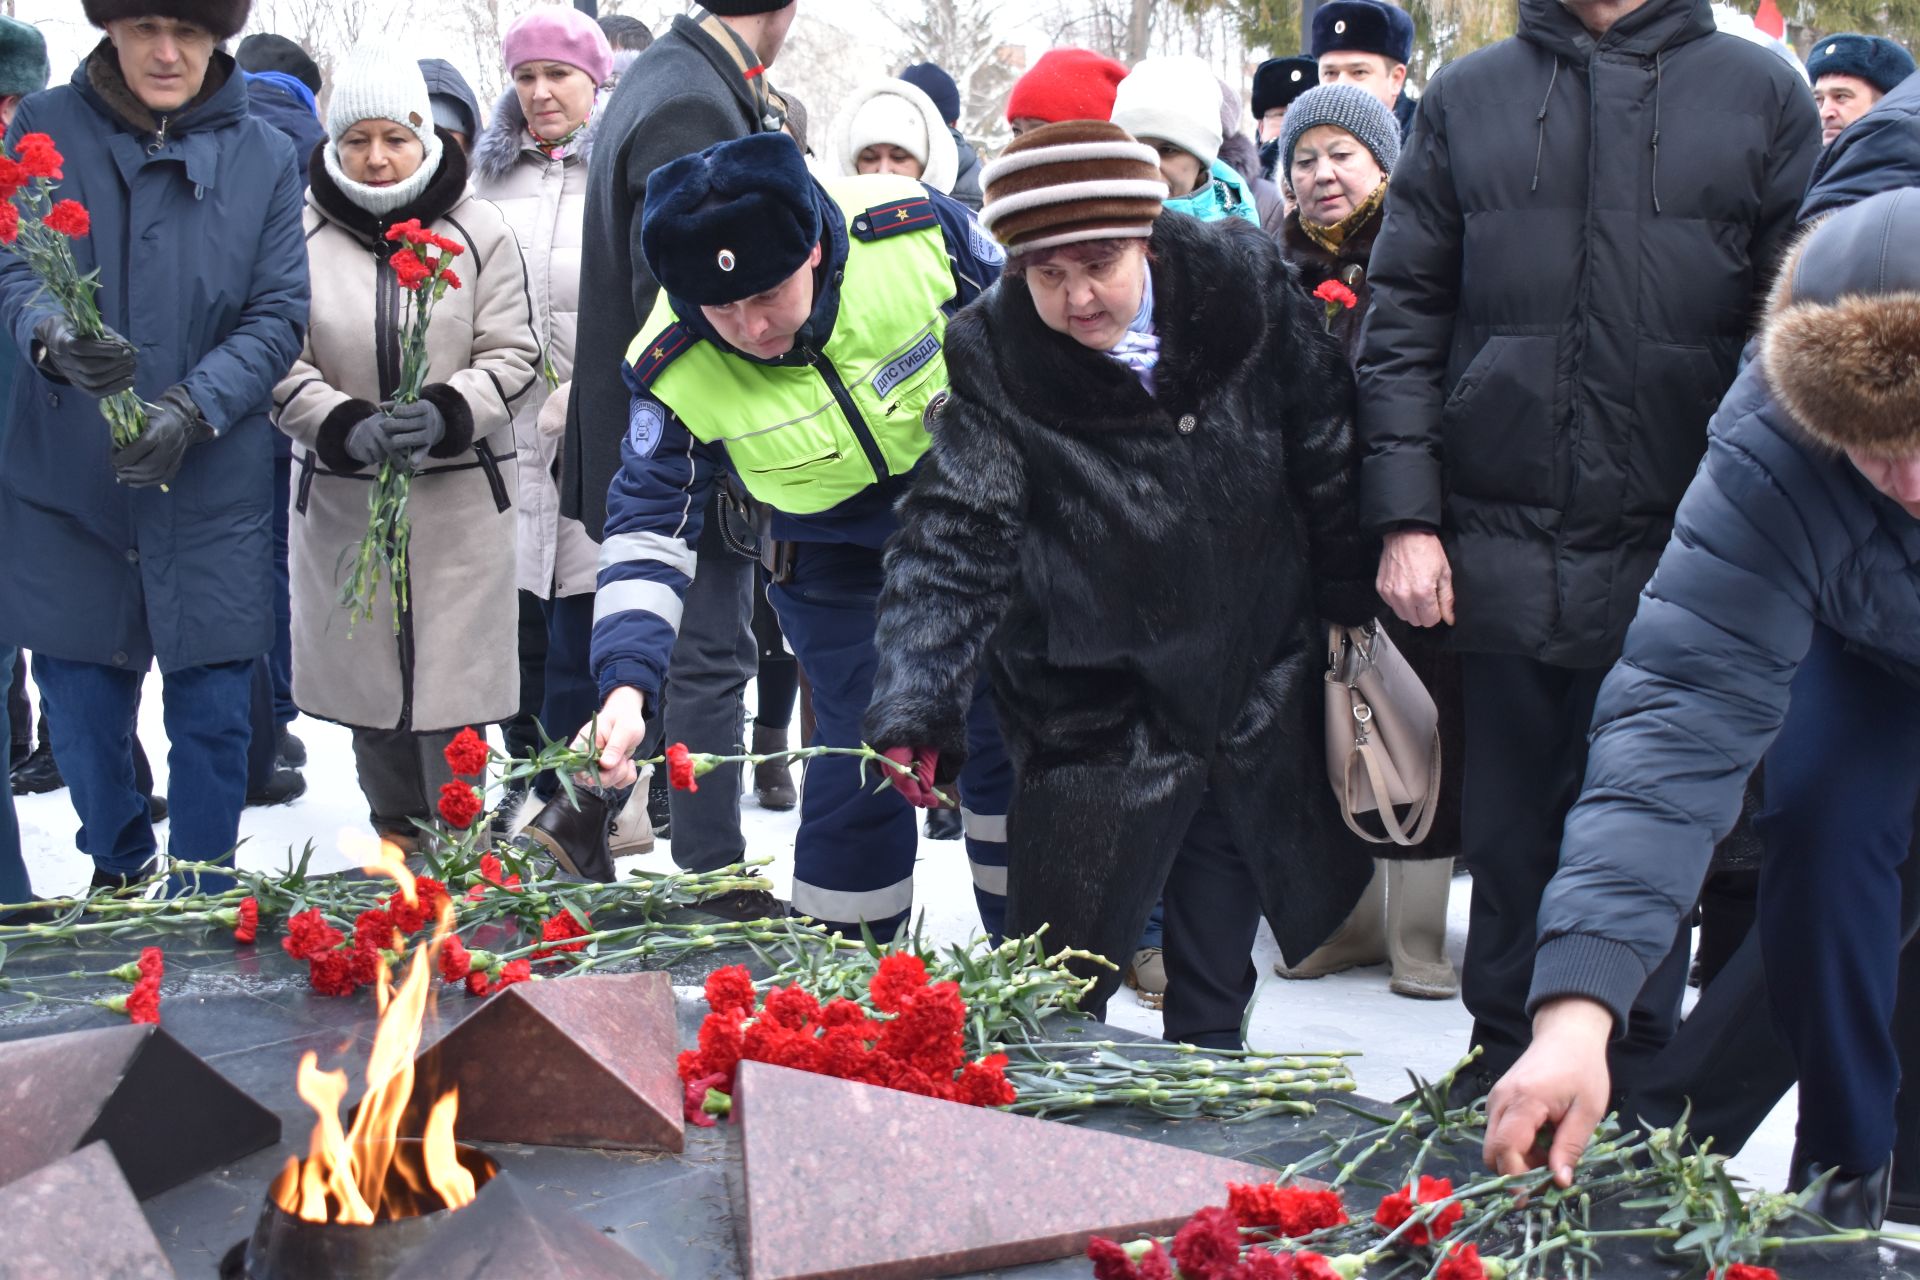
365 1174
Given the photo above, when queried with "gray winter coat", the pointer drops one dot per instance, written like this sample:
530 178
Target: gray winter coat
1776 535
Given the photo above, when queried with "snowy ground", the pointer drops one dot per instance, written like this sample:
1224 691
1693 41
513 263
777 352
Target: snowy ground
1348 1011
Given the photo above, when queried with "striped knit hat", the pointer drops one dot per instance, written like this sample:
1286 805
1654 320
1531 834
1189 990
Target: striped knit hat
1073 181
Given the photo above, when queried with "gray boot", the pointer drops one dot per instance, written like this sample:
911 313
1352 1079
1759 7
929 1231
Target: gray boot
772 780
1360 940
1417 929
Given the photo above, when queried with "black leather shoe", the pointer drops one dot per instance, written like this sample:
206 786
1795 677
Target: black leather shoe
659 807
38 774
284 787
109 882
157 809
744 904
291 751
1847 1201
943 824
576 838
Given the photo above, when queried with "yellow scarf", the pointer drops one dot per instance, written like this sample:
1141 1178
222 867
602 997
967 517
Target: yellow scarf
1333 237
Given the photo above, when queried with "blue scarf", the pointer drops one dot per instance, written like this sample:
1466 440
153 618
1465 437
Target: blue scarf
1139 346
1224 195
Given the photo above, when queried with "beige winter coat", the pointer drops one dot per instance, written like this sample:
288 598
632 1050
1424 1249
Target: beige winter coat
544 200
455 659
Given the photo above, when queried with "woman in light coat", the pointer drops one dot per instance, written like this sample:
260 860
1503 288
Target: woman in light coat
531 162
405 685
893 127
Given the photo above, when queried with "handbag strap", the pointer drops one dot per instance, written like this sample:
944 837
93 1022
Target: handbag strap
1424 809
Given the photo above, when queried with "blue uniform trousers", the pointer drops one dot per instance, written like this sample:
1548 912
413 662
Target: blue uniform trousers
854 854
1842 781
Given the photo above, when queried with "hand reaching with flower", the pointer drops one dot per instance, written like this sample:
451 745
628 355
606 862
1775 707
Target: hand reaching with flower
98 366
1560 1084
174 425
617 732
917 785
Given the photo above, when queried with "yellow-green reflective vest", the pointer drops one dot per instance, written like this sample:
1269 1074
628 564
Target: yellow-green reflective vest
805 438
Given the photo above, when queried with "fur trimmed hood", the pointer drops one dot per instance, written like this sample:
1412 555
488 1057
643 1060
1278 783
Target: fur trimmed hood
505 139
1842 336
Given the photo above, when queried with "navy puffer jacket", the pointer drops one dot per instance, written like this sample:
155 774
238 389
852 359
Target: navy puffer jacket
196 236
1777 534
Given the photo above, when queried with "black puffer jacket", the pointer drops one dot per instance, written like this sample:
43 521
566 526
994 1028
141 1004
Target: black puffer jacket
1580 237
1144 577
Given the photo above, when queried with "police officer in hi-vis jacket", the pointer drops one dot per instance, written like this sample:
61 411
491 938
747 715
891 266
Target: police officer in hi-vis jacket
798 345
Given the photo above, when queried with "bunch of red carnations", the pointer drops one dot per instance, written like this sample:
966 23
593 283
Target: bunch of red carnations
917 1047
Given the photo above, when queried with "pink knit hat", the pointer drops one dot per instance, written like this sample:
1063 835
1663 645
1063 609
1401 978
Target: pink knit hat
559 33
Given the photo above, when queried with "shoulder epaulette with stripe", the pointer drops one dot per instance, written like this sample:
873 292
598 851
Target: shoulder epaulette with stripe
674 341
896 217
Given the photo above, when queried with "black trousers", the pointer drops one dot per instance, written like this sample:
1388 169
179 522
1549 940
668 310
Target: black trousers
1526 756
401 774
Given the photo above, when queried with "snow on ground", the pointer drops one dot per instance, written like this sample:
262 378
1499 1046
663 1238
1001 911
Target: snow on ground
1353 1010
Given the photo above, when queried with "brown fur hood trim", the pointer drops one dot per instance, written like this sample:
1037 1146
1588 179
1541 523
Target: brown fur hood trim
1846 367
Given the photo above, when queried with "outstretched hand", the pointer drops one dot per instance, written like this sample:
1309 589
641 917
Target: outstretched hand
617 732
1559 1087
916 786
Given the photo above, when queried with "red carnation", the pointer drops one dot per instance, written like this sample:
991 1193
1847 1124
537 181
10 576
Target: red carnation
791 1007
152 963
731 988
9 222
680 768
452 279
1462 1263
1745 1271
309 935
12 178
468 753
248 926
1208 1247
1333 293
928 1033
511 972
493 872
373 931
408 230
1285 1211
69 218
411 917
143 1002
1398 1207
1112 1262
459 805
901 976
1312 1266
558 930
331 973
38 157
984 1083
455 960
694 1104
412 272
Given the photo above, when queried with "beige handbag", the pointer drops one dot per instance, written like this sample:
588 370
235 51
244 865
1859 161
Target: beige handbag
1383 737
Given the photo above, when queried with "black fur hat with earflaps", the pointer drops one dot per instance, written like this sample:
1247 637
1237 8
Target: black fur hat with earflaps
1842 336
222 17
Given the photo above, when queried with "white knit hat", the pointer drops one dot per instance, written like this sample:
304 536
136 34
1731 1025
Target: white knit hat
1175 100
896 113
381 81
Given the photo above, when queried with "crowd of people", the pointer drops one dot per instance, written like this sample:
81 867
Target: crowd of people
1585 380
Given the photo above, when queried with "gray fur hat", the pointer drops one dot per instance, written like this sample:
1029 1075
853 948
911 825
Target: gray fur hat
1345 107
23 59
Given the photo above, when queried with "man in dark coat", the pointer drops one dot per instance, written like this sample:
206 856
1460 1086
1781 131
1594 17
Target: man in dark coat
1728 1066
1367 44
162 549
1788 597
699 84
1558 305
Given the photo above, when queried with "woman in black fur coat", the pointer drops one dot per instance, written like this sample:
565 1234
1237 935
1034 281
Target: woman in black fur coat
1138 510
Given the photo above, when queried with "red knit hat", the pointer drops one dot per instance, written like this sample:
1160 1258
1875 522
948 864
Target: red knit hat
1066 84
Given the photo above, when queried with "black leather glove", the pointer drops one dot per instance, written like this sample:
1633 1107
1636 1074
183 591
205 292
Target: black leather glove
418 427
174 425
98 366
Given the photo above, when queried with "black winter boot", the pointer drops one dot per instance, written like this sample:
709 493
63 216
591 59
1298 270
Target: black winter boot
1848 1201
772 780
943 824
37 774
576 838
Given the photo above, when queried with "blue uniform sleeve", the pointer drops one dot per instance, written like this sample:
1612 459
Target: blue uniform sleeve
655 508
976 256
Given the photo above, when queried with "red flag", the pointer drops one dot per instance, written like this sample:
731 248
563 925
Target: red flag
1767 18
